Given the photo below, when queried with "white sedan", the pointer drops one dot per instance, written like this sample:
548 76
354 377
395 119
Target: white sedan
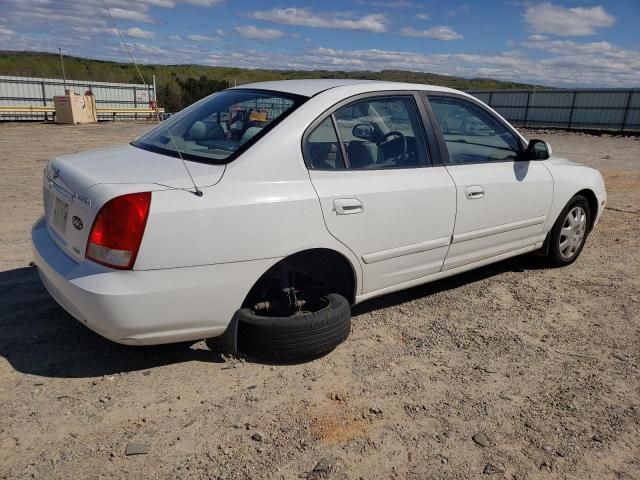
265 211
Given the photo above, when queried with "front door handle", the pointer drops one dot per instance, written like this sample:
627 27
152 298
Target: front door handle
347 206
474 191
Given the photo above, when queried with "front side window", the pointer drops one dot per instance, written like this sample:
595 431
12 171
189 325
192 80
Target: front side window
219 127
471 134
382 132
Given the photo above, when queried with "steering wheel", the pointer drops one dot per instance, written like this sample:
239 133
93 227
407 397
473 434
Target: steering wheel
392 137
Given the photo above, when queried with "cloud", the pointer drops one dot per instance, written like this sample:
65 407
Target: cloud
464 8
57 14
205 3
306 17
137 32
569 47
439 33
422 16
557 20
143 48
6 32
255 33
82 28
387 4
131 15
598 60
559 70
200 38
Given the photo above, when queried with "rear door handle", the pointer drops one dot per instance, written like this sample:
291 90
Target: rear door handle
474 191
347 206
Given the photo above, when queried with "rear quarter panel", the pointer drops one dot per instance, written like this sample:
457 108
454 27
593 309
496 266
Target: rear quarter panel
264 207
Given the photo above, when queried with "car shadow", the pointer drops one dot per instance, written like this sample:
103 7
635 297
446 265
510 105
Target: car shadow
515 264
40 338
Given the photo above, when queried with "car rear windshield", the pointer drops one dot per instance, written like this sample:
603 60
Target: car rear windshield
220 127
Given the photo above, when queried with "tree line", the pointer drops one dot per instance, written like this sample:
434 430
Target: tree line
176 96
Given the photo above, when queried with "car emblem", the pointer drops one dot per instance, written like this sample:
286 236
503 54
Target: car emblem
77 223
56 172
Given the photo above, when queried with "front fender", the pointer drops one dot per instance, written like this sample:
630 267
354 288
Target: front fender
570 178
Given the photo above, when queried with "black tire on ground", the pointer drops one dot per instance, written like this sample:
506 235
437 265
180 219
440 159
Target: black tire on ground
555 257
295 337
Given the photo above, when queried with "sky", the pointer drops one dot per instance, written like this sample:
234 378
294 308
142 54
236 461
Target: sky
556 43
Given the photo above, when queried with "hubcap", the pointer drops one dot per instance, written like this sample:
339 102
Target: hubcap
573 232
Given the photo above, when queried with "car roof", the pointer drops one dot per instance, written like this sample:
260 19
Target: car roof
311 87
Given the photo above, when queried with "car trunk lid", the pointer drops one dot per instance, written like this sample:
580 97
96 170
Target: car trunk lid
76 186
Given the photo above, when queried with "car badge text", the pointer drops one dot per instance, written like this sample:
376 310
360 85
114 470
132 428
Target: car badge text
83 199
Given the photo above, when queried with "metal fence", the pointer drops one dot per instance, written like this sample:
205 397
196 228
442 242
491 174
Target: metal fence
598 109
39 92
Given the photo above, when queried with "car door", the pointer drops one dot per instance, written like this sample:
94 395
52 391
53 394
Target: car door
383 191
503 200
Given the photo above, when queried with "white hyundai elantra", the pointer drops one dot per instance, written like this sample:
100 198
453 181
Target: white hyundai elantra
264 211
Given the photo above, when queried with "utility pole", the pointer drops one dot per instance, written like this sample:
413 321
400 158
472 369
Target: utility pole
155 100
64 76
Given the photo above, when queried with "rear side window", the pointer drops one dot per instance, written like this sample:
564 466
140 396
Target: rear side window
473 135
323 149
375 133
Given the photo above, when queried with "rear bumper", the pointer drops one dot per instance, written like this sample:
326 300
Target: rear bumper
145 307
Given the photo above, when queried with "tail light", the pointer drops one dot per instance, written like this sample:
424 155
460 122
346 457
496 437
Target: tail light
117 231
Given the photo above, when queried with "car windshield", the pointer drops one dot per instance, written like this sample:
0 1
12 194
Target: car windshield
220 127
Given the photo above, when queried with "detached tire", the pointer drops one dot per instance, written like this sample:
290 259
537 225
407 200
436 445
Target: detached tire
295 337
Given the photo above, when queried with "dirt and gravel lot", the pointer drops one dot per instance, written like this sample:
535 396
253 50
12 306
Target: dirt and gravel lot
512 371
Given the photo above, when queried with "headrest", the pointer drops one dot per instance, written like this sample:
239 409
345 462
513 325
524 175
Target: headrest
205 131
249 134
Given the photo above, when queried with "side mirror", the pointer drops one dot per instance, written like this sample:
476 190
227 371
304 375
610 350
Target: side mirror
363 131
538 150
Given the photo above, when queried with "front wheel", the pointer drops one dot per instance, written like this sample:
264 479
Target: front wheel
569 233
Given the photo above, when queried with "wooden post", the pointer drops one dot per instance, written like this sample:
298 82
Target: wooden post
44 100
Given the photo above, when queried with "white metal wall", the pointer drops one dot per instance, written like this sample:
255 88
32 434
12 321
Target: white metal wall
31 91
606 109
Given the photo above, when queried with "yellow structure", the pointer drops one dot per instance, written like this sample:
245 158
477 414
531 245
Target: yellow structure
75 108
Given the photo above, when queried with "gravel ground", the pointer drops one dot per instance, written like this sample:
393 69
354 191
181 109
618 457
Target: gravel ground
512 371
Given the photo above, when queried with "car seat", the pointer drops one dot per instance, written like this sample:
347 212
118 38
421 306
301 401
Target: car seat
362 155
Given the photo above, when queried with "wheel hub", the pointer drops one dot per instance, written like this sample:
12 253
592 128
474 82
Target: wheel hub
572 233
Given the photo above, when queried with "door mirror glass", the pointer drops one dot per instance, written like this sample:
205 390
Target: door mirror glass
538 150
363 131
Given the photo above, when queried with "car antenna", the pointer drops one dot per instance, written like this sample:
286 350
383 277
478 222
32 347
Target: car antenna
196 191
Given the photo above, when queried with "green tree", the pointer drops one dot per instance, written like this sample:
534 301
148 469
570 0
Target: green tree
170 98
195 89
